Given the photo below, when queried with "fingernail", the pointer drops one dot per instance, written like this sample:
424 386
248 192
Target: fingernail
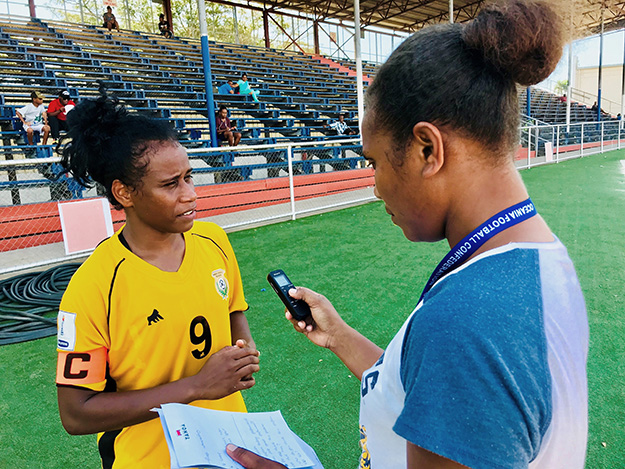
230 447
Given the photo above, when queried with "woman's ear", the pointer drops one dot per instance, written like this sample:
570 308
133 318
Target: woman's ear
122 193
428 143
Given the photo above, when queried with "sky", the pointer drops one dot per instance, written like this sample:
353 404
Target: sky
587 53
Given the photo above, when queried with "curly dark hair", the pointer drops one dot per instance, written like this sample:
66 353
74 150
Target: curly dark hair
105 142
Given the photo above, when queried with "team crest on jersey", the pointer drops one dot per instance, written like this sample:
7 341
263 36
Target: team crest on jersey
221 283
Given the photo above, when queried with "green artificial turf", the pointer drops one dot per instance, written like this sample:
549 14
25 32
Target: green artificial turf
373 275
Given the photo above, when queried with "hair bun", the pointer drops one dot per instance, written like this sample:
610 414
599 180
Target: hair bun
522 39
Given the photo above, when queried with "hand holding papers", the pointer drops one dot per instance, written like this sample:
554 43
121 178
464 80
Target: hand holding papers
198 437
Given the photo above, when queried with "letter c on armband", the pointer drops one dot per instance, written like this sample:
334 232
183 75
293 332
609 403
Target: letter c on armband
80 368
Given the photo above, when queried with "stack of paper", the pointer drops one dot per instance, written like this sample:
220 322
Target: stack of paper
198 437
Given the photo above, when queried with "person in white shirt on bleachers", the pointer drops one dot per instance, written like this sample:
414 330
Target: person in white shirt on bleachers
341 126
34 118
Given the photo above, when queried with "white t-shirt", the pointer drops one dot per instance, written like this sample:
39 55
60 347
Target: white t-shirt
490 369
32 114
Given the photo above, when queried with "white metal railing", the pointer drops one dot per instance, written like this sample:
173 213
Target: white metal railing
545 144
540 144
324 156
528 120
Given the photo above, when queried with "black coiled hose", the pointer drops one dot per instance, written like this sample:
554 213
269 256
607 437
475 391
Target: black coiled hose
29 303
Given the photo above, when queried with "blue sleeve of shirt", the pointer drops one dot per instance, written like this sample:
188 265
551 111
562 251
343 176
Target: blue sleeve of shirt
474 366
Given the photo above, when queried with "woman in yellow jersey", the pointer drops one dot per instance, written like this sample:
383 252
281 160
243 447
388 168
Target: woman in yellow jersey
156 314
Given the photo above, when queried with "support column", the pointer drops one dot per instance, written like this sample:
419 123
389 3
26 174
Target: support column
316 36
528 104
168 15
568 89
600 67
359 87
208 76
31 7
266 28
128 22
236 24
451 11
620 123
570 76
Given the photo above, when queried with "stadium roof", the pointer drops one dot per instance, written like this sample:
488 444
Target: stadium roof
411 15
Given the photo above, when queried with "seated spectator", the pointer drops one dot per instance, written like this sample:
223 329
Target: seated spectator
594 106
57 113
244 88
562 98
164 27
341 127
110 21
225 129
226 88
34 118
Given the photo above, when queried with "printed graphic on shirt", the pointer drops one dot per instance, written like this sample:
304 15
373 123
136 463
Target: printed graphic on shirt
200 334
80 368
368 382
221 283
365 457
154 317
66 335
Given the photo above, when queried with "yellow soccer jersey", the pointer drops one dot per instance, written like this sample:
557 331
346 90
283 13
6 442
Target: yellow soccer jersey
125 325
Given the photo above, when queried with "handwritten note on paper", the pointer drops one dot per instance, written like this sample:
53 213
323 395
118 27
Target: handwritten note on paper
198 437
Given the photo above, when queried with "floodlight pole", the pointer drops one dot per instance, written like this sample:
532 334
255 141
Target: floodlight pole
208 76
359 87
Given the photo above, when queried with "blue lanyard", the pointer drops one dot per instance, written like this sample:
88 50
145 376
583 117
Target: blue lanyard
474 240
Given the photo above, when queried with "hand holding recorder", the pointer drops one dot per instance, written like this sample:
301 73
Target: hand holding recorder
311 313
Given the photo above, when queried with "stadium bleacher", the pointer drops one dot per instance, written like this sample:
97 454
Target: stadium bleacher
548 108
163 78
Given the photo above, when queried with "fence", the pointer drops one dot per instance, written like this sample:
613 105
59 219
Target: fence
236 187
243 186
544 144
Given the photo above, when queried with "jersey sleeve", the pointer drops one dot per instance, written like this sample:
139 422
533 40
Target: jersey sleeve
82 336
475 373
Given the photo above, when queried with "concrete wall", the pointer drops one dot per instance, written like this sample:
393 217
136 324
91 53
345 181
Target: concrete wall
586 80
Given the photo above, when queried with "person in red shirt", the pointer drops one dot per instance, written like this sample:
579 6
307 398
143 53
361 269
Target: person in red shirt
57 113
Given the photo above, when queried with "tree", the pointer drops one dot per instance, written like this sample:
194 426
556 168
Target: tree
143 16
561 86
